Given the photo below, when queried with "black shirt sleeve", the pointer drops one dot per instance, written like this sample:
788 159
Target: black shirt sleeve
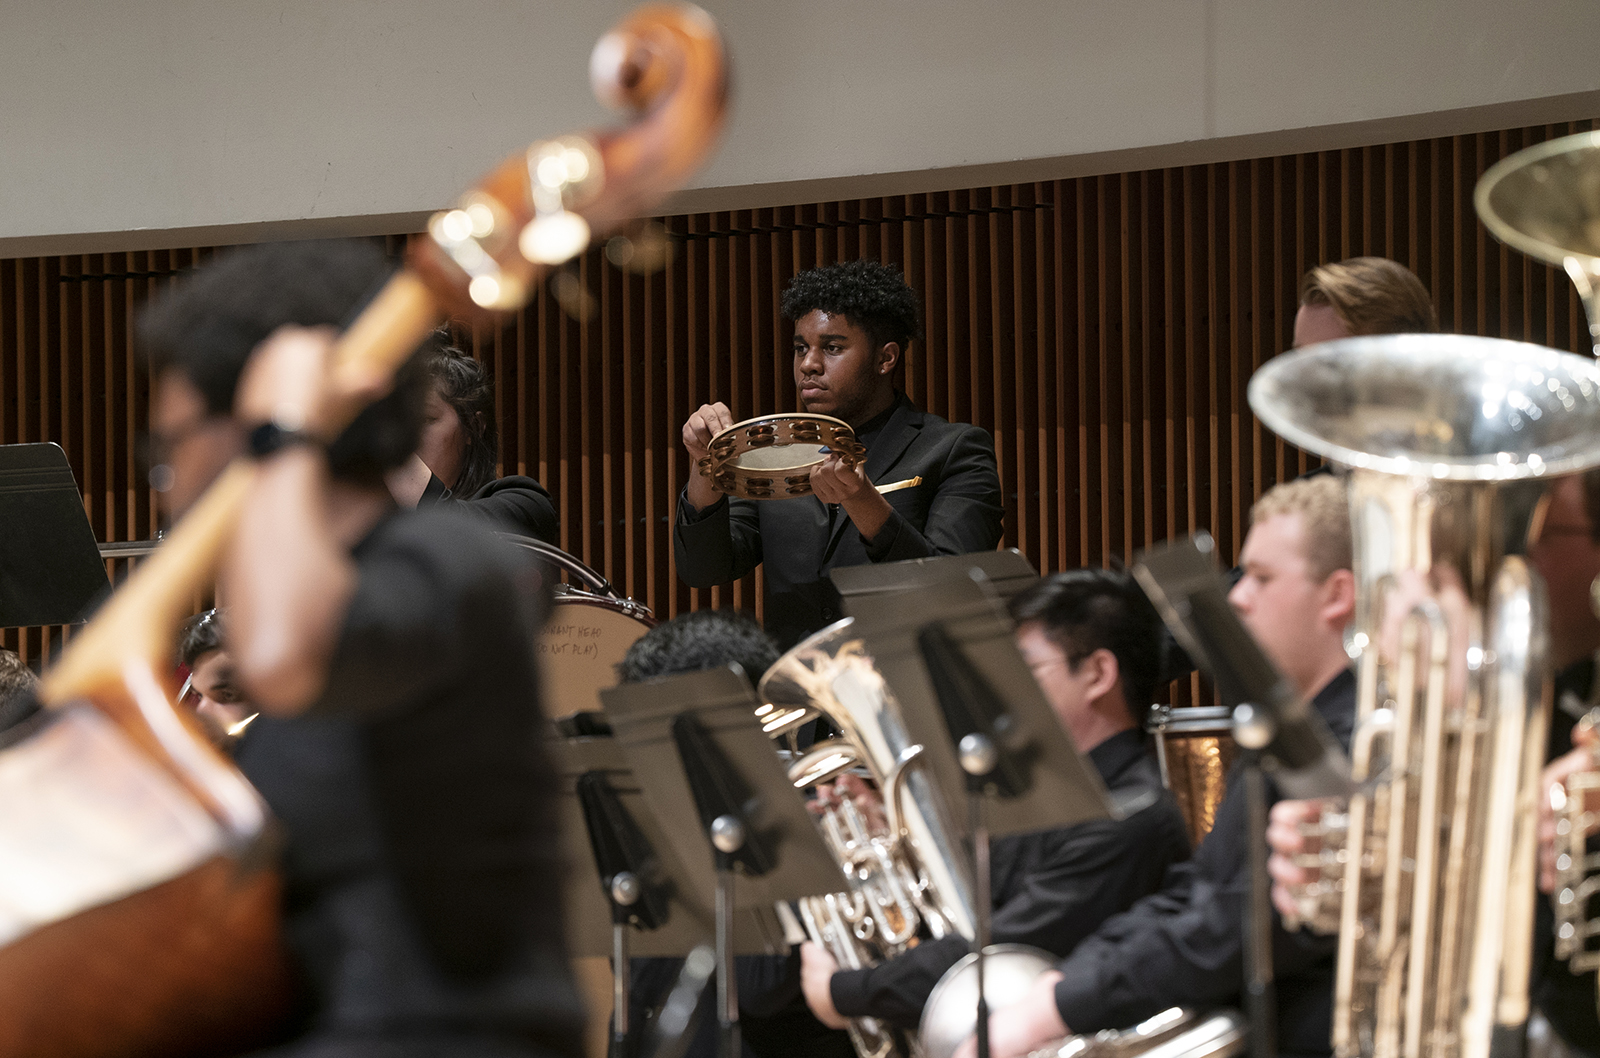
515 504
1054 889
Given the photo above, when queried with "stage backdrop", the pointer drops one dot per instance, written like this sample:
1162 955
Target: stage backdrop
1103 328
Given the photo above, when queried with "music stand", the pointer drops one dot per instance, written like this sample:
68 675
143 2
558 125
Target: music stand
961 675
726 806
1272 723
51 572
627 893
1066 788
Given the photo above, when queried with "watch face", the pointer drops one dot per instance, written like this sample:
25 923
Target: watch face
269 437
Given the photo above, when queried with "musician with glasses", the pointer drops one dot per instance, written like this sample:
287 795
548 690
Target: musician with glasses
853 323
391 656
1184 945
1089 636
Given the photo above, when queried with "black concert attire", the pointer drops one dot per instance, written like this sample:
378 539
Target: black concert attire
956 509
514 504
1050 889
423 868
1184 945
1566 999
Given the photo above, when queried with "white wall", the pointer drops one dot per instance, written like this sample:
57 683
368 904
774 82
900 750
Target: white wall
127 123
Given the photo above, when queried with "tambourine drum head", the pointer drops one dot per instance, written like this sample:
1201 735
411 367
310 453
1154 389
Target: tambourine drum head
580 647
778 459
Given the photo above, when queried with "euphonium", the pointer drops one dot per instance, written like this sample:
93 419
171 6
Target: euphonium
910 876
1429 874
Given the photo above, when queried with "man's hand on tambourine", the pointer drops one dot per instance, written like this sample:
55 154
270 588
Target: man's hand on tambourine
835 481
708 421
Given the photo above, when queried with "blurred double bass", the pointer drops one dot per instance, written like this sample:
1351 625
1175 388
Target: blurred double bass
139 903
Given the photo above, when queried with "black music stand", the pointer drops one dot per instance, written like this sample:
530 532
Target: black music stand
966 693
1274 726
51 572
627 888
726 806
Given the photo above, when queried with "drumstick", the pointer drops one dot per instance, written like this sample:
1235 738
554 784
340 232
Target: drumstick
896 486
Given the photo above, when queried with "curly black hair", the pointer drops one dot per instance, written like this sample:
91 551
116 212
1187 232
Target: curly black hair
1084 610
463 384
873 296
703 639
209 322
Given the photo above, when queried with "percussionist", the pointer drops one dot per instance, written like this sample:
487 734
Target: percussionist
853 323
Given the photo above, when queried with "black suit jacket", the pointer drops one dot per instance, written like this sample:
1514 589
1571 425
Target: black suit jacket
955 510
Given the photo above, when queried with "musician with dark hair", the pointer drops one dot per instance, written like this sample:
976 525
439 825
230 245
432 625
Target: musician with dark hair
391 656
459 450
853 323
1089 636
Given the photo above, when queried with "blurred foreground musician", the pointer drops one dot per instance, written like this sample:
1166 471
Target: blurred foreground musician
853 323
1183 946
391 656
1089 636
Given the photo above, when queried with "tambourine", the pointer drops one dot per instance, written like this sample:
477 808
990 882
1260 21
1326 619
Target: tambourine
771 457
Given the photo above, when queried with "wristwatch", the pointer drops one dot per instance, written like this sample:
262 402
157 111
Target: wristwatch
269 437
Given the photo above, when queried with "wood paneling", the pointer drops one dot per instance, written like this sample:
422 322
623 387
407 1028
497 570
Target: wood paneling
1103 328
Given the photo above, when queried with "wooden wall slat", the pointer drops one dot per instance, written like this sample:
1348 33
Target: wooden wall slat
1104 328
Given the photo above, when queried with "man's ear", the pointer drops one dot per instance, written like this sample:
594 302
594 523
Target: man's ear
1339 598
1104 672
888 357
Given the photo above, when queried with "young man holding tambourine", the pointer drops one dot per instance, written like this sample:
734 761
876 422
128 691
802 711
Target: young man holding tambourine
927 486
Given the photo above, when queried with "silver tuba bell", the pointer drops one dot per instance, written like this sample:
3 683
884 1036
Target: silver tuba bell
1428 876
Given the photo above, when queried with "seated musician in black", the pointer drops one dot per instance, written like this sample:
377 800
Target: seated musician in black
391 655
1183 945
460 444
1090 638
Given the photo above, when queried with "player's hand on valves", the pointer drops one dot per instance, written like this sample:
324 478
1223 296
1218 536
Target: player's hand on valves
1558 773
817 968
1287 839
1024 1026
858 791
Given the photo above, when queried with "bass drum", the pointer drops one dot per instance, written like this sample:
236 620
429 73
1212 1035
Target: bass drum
586 634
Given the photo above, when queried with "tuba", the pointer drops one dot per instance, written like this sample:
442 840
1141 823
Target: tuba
912 875
1545 202
1428 875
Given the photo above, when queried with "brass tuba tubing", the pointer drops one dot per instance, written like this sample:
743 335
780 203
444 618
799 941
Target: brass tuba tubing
1451 441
